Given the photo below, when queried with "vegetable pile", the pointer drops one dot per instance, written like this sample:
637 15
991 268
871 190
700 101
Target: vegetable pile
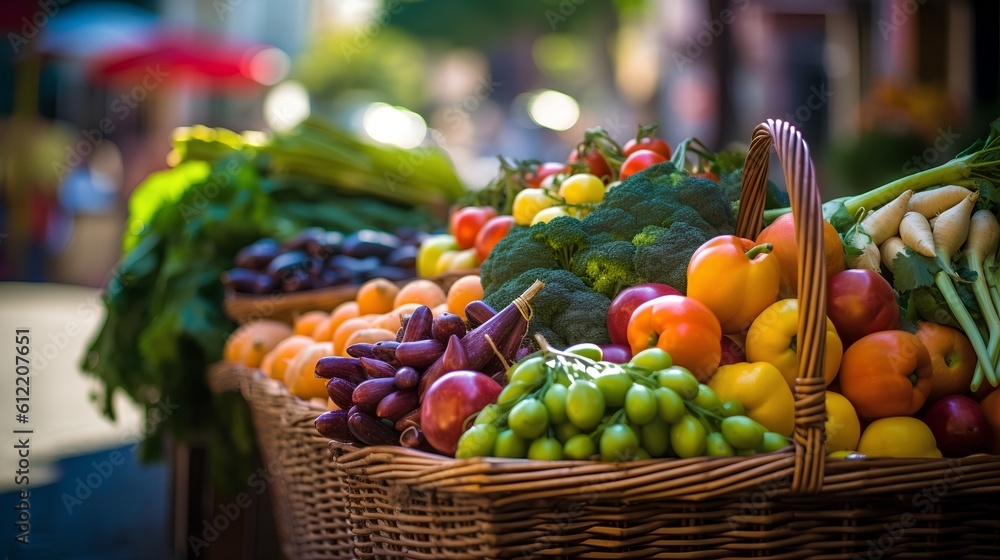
164 322
645 230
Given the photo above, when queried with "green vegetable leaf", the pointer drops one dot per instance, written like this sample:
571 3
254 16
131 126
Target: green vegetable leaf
836 213
911 271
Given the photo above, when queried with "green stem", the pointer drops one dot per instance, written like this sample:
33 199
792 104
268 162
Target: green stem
758 249
775 213
944 283
955 170
982 292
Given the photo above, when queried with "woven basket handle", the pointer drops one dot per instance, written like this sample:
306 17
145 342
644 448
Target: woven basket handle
800 176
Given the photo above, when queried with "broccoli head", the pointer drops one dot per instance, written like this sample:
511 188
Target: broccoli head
606 266
517 252
566 311
662 254
612 221
563 235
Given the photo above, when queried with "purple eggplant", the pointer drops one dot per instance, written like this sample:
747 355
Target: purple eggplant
397 405
373 391
407 377
341 392
447 325
377 369
350 369
478 312
371 430
419 354
333 424
418 324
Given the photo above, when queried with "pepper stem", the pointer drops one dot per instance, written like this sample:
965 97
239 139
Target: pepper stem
763 248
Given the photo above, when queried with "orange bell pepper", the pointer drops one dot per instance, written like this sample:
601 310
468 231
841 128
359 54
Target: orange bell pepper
885 374
735 278
682 326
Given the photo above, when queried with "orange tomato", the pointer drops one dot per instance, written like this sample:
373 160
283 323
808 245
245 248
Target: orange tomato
684 327
885 374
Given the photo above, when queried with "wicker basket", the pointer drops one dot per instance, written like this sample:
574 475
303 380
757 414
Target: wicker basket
244 308
787 504
309 498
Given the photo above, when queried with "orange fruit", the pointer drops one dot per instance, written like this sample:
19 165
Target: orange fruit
306 323
345 329
781 234
376 296
300 376
347 310
258 338
422 292
466 289
277 360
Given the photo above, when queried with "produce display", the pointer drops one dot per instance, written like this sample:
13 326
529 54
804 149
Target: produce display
164 319
633 324
316 258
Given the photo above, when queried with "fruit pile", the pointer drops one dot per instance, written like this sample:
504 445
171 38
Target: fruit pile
417 390
290 354
317 258
572 405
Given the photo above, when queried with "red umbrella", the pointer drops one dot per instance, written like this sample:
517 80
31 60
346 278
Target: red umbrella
192 57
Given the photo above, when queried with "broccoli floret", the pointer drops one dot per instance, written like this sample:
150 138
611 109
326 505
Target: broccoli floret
563 235
662 254
613 221
653 198
607 267
516 253
709 200
566 311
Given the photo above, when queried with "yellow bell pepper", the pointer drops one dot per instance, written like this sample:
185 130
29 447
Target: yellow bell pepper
899 437
843 428
772 339
762 391
734 278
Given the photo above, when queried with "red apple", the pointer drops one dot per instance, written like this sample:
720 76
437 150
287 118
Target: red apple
625 303
860 302
959 425
491 233
449 402
952 357
466 223
616 353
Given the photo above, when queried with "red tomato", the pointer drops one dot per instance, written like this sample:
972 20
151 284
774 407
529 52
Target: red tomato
492 232
466 223
595 162
539 173
658 145
638 161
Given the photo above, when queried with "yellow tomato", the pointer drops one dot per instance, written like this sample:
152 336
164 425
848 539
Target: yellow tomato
582 188
529 202
843 429
899 437
548 214
762 391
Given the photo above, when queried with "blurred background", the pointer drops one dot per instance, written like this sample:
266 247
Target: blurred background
90 92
